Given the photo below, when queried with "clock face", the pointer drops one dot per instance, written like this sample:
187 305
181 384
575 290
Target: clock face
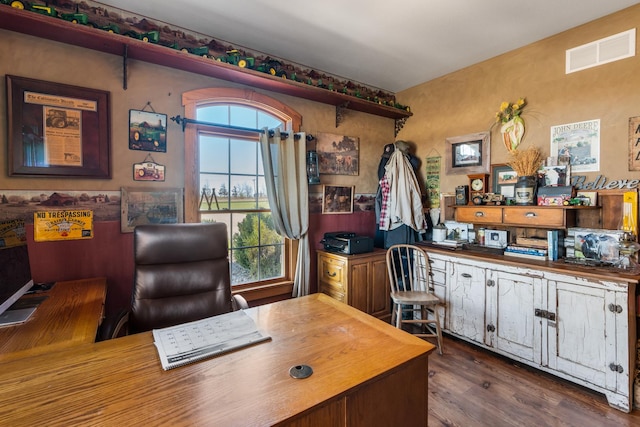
477 184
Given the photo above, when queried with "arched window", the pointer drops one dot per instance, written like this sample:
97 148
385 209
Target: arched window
224 181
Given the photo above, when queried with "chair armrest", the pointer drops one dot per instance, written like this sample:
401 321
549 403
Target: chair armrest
239 303
114 326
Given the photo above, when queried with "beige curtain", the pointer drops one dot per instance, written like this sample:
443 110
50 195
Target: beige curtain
284 161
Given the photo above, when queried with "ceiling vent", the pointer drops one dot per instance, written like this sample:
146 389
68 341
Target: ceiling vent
609 49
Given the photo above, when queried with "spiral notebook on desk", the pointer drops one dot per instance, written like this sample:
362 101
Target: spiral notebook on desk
190 342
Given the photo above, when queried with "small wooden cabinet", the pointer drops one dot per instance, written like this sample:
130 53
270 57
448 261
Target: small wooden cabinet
358 280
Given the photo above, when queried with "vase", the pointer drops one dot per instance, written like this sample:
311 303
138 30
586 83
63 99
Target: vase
526 190
512 133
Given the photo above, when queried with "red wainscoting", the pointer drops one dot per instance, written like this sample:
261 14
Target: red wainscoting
110 254
361 223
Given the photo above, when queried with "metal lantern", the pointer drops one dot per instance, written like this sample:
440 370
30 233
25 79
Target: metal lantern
313 172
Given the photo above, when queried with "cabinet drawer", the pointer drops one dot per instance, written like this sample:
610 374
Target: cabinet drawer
479 215
332 270
539 217
438 264
438 277
334 291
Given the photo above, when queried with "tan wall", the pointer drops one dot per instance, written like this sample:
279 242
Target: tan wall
32 57
466 101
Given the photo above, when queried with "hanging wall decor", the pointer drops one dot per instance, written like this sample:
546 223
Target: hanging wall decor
337 154
433 180
634 143
150 206
577 145
147 131
511 124
148 170
57 130
337 199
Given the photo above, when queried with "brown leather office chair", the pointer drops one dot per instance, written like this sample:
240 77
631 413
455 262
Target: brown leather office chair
181 274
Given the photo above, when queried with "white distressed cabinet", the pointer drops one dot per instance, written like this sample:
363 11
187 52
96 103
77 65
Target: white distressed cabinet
577 325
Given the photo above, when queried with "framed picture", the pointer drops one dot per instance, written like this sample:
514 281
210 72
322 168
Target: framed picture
337 154
147 131
503 180
150 206
57 130
589 198
337 199
468 154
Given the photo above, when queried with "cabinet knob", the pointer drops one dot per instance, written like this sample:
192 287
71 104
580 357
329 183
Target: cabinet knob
491 283
491 328
615 308
616 368
330 274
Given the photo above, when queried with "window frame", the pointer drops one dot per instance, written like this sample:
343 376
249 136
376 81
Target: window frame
262 291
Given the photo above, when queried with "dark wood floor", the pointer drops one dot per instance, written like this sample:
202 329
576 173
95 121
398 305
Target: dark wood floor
469 386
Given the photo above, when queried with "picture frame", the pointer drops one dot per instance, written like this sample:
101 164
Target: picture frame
57 130
590 198
147 131
337 199
338 154
503 180
468 154
140 206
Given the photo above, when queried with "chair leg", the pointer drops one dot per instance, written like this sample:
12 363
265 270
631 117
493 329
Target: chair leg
399 316
438 330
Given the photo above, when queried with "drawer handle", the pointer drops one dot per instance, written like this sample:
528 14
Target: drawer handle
331 274
466 275
479 214
531 214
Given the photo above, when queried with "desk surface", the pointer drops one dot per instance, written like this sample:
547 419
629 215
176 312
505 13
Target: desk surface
121 382
69 316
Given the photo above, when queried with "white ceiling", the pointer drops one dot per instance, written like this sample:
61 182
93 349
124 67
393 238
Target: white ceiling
392 45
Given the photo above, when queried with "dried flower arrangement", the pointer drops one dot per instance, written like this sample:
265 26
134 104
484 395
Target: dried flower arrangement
526 162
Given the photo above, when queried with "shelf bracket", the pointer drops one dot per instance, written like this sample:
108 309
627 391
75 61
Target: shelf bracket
400 124
125 56
340 112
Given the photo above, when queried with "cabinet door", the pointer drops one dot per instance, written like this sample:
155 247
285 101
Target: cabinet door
466 308
379 290
439 282
585 341
511 303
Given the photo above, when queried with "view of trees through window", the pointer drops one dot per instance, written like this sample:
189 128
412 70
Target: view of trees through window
233 191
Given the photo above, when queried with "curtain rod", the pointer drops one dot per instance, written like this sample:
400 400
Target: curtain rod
184 121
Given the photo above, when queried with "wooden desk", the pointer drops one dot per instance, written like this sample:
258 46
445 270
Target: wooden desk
366 373
69 316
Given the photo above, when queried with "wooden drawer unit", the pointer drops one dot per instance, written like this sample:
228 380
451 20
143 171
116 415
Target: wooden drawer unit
358 280
479 214
532 216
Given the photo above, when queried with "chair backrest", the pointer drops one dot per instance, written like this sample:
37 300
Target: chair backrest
181 274
409 269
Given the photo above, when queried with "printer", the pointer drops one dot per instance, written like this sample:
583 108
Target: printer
347 243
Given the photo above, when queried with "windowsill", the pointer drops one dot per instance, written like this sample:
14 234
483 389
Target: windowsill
257 295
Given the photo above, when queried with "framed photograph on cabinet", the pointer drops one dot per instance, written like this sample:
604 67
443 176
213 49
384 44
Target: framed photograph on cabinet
503 180
57 130
468 154
337 199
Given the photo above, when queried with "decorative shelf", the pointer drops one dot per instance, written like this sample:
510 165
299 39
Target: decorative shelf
59 30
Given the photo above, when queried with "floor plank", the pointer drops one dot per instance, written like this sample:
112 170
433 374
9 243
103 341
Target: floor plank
470 386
